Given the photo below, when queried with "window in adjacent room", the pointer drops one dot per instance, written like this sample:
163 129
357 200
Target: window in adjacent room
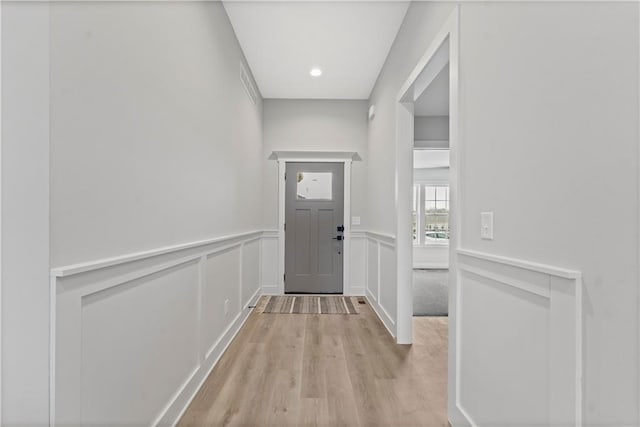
433 214
416 189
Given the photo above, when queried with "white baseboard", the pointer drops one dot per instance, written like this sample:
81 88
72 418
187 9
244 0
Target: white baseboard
386 320
459 418
253 299
176 409
464 419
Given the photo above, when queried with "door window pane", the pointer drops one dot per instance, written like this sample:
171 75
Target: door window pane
314 185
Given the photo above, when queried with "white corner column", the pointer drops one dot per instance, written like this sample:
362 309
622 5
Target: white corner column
404 238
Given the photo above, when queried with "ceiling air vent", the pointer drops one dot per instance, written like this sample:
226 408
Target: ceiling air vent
248 86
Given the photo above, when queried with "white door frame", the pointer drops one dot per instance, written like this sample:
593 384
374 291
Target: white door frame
444 49
346 158
1 211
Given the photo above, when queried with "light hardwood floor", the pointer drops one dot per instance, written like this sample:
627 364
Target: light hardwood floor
326 370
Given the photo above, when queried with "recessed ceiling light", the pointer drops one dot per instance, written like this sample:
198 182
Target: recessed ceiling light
315 72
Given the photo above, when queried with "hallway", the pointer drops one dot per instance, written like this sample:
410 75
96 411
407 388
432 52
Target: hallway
144 150
326 370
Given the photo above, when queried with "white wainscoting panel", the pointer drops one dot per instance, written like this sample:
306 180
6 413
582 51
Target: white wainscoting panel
373 289
250 270
134 337
270 277
358 269
219 288
140 332
519 342
388 283
381 278
499 320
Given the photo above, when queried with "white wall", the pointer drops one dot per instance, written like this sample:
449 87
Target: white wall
431 128
153 139
534 155
154 143
537 107
314 125
421 23
431 175
25 213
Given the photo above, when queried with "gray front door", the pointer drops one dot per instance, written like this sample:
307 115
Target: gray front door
314 204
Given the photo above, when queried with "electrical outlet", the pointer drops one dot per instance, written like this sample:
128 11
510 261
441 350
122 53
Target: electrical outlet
226 307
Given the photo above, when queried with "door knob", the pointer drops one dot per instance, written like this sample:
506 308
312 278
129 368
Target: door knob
341 228
337 238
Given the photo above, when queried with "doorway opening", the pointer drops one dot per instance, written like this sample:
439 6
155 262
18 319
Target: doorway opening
426 120
431 196
431 229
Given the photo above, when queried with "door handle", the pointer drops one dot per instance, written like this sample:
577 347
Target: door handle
341 228
337 238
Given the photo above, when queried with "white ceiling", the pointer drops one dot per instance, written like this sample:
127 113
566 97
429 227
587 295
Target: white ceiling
349 41
434 101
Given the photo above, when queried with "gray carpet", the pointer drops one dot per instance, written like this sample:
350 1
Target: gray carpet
430 292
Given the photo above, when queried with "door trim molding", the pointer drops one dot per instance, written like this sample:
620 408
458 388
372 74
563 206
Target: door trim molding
344 157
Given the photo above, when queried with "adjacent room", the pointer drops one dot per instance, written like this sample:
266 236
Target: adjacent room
431 232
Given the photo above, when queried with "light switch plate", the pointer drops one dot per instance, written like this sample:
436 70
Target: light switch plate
355 220
486 225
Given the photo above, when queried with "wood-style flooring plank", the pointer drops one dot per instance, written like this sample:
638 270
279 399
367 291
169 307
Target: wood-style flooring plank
326 370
